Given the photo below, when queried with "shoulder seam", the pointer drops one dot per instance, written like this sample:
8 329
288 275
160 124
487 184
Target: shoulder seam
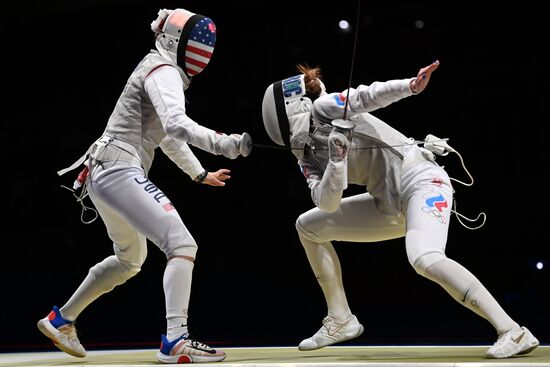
155 69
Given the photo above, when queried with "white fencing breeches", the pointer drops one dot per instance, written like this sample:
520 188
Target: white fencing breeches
133 210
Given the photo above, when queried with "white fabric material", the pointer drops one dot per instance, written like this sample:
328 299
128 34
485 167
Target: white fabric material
173 58
156 25
299 121
376 153
327 190
177 288
165 89
101 278
110 151
180 153
426 194
358 220
467 290
364 98
150 113
75 165
133 207
408 195
327 270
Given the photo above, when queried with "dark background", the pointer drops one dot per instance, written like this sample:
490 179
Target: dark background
66 63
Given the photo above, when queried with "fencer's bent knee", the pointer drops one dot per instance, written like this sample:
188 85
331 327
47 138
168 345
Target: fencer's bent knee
177 240
424 261
119 271
304 231
184 250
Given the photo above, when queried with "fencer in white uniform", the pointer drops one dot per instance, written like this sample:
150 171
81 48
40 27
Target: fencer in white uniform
150 113
337 142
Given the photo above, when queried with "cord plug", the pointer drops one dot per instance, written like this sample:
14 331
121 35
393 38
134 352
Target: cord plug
437 145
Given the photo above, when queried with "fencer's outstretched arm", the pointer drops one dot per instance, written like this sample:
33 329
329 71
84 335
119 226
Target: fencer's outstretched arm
165 89
368 98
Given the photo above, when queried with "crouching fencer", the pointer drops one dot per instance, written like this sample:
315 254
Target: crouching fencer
150 113
337 141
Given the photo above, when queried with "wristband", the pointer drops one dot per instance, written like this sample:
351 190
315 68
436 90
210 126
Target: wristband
200 178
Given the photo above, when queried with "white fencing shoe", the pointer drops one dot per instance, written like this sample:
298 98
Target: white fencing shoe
331 333
62 333
513 342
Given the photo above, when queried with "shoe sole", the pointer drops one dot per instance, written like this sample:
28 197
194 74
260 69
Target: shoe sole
529 350
188 358
47 329
533 343
525 351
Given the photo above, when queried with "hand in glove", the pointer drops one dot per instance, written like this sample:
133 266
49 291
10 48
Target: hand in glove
231 146
338 146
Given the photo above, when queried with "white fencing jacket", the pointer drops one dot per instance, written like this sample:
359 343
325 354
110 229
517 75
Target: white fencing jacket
378 154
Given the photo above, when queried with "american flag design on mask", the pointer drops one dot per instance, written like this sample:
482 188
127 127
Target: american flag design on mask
200 46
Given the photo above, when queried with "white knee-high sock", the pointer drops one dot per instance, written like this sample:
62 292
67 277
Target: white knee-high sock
326 266
101 278
177 291
466 289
